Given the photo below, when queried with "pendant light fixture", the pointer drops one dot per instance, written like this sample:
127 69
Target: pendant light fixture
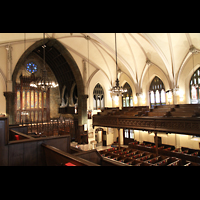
117 90
43 82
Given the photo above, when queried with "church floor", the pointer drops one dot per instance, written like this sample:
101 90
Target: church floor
87 147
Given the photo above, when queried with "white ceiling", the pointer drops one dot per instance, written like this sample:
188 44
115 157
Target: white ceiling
166 50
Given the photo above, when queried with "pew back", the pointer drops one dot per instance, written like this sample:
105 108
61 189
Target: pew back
56 157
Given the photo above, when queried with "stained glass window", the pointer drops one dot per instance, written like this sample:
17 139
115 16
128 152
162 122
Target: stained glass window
194 93
131 101
32 104
127 101
36 99
157 94
23 99
152 99
124 101
126 133
31 67
98 95
44 97
127 96
163 96
32 99
194 87
131 133
40 99
28 99
18 100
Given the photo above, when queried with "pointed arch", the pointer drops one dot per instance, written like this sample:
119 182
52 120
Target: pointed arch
82 106
157 92
98 97
127 98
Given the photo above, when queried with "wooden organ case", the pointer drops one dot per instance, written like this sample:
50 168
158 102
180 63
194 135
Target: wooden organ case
31 104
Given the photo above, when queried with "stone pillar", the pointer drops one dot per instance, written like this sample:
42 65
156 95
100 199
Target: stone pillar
82 109
9 68
10 106
10 96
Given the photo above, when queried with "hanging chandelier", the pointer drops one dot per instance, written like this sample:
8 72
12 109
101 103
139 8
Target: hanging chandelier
117 90
43 82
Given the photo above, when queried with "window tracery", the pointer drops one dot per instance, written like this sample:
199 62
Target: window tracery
98 97
31 67
195 87
157 92
127 98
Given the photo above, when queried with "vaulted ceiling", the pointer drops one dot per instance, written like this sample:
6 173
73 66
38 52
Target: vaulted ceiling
168 51
58 65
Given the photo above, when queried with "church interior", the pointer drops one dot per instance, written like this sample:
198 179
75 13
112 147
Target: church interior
99 99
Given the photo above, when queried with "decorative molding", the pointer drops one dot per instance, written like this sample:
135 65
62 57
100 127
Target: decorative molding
187 126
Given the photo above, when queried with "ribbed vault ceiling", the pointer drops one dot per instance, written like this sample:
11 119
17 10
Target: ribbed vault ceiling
168 51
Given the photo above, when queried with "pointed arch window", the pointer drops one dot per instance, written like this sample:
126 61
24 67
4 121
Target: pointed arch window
31 104
195 87
98 97
157 92
127 98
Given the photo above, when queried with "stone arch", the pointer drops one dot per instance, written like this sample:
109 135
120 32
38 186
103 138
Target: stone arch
82 106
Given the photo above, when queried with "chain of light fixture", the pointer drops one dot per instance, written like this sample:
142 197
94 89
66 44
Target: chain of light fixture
117 90
43 82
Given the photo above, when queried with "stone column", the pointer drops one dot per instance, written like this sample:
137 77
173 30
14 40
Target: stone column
82 109
9 94
9 68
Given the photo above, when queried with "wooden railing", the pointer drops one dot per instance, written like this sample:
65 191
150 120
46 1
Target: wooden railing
187 125
56 157
21 136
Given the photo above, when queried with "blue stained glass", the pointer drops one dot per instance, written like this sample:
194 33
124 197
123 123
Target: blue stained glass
31 67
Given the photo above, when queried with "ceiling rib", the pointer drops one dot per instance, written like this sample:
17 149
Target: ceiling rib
135 64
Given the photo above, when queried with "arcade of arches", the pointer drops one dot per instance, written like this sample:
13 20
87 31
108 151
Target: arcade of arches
155 68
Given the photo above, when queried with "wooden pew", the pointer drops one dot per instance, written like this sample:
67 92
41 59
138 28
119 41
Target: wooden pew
21 136
156 159
133 162
147 157
56 157
167 161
